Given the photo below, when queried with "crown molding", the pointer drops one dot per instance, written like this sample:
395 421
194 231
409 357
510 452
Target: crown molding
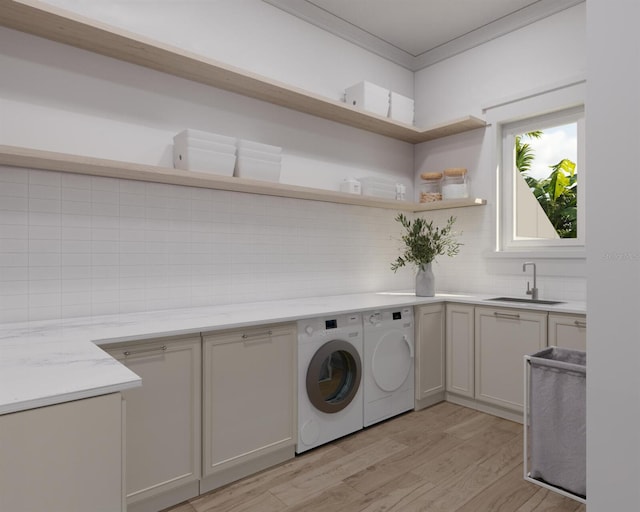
323 19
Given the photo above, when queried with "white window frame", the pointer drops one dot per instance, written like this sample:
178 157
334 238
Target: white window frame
527 110
508 189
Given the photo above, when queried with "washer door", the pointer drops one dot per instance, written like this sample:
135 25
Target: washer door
391 360
334 376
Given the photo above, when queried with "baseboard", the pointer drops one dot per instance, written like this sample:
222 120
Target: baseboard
429 401
482 407
166 499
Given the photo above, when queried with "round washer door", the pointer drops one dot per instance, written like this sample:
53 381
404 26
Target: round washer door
391 361
334 376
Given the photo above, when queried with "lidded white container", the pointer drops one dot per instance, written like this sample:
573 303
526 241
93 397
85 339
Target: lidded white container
400 108
351 186
196 150
368 96
455 183
258 161
378 187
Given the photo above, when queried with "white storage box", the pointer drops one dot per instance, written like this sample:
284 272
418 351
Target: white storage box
190 133
195 159
260 155
378 187
183 142
258 146
351 186
256 169
400 108
368 96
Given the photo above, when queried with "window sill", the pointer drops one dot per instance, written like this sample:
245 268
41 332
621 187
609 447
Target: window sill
575 254
570 263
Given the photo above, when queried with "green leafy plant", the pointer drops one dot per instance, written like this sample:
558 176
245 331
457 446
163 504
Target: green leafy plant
423 241
558 193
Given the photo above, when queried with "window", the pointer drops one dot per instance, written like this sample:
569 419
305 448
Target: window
542 182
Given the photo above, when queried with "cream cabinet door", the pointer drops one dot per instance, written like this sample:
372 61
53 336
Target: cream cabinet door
249 395
460 349
503 338
429 350
568 331
163 415
65 457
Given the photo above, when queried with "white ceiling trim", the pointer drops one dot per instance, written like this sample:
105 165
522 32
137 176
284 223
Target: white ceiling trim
323 19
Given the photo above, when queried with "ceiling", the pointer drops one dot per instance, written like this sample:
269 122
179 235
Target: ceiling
418 33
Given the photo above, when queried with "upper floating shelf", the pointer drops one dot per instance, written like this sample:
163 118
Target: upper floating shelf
53 161
66 27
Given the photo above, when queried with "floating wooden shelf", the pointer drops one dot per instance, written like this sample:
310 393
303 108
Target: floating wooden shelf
51 161
66 27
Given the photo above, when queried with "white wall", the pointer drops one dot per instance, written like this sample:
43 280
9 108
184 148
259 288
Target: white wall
59 98
506 68
544 52
70 247
613 338
253 36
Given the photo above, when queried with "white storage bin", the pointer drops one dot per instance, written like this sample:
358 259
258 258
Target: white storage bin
260 155
190 133
196 159
400 108
256 169
368 96
183 142
351 186
258 146
378 187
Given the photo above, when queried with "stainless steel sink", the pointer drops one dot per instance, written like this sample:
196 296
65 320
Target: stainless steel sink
528 301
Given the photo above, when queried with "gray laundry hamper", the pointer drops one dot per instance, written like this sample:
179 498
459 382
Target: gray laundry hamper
555 421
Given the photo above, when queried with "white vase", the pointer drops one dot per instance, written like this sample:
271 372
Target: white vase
425 281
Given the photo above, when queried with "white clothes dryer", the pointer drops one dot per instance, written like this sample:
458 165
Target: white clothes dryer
329 379
388 379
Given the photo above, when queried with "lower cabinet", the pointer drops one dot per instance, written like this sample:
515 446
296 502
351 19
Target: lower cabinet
162 421
502 338
568 331
65 457
460 349
249 397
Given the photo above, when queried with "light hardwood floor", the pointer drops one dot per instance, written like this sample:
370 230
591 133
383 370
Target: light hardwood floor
443 459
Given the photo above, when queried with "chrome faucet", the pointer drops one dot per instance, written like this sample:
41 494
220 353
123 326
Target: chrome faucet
531 291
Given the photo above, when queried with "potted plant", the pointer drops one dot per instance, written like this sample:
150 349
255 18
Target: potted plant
423 242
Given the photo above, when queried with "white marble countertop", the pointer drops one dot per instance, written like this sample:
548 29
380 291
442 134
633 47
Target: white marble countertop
49 362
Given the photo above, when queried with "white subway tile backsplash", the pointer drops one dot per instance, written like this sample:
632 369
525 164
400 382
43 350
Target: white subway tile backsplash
37 259
91 245
75 181
14 203
14 175
108 184
14 218
50 179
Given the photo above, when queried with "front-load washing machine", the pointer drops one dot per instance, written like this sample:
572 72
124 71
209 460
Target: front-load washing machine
388 378
329 379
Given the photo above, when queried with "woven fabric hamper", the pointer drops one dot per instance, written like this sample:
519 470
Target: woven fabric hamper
557 419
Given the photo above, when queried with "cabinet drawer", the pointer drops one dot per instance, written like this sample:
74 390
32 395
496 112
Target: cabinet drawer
568 331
